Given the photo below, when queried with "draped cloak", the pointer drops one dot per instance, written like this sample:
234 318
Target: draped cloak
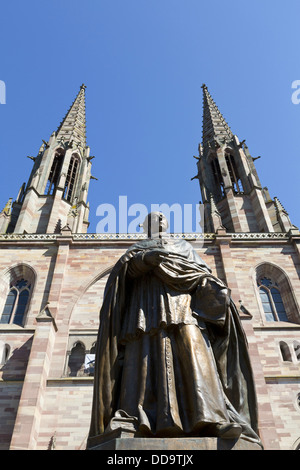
171 351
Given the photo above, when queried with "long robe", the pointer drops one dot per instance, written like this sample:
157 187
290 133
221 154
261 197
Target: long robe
171 351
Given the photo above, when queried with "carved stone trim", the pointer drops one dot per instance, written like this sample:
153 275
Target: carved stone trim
260 236
142 236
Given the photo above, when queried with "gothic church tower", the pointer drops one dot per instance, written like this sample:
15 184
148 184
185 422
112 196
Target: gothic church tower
53 276
55 196
232 194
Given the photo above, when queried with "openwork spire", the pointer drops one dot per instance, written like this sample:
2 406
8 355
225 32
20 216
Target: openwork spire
214 124
73 126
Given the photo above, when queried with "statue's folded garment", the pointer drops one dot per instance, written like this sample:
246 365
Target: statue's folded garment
171 351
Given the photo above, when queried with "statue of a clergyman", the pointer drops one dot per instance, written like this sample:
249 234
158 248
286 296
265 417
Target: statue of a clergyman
172 358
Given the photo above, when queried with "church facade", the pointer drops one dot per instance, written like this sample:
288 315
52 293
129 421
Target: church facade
53 274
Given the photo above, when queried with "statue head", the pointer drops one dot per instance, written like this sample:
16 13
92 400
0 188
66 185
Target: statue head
155 224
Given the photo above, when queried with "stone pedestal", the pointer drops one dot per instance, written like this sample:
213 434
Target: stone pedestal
120 440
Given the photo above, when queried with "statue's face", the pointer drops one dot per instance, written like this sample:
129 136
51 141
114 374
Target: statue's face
157 221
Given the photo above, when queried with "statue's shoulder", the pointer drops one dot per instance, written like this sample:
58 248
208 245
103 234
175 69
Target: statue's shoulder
141 245
181 246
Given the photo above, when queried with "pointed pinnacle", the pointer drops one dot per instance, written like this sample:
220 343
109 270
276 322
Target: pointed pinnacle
73 126
278 205
8 207
214 124
213 206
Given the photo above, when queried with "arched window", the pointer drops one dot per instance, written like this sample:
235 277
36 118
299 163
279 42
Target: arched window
285 352
271 300
81 361
234 174
16 303
71 178
54 174
76 360
277 298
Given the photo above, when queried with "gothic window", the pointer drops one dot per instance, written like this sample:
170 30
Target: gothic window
81 362
218 176
54 175
271 300
71 178
234 174
16 303
277 298
285 352
76 360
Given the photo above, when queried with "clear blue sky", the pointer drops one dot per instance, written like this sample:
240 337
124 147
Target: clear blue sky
143 63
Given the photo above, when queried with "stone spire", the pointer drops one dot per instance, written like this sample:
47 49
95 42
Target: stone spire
59 180
73 126
214 124
233 197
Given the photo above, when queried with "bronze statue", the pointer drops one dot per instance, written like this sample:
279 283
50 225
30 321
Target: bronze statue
172 358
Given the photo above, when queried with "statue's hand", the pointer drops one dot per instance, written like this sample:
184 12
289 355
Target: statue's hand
154 257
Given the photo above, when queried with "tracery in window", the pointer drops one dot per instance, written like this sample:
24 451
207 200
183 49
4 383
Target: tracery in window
282 307
71 178
16 303
271 300
54 174
234 174
81 361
